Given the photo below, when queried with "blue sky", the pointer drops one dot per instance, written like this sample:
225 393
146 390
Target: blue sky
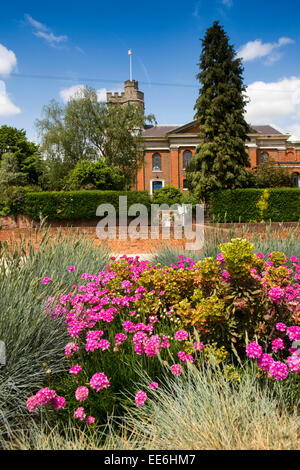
76 41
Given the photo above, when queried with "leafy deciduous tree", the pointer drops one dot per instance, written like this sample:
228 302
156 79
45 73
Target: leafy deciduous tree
270 175
86 129
95 175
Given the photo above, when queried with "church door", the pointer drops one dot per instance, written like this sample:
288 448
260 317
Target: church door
157 184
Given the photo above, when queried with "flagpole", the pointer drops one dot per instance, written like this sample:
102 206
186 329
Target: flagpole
130 67
130 53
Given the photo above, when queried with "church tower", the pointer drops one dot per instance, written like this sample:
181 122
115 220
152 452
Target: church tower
131 94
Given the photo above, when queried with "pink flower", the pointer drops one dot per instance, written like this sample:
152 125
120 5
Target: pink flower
152 346
181 335
104 344
58 403
140 398
293 332
153 386
278 370
225 274
128 326
254 350
32 403
220 258
70 348
176 369
71 269
81 393
99 381
139 337
45 395
79 413
46 280
260 255
276 294
265 361
189 358
120 337
277 344
293 362
182 356
94 334
90 420
198 345
280 326
75 370
126 285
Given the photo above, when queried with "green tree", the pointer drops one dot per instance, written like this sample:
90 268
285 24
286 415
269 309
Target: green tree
27 153
95 175
124 144
270 175
167 195
86 129
221 158
10 174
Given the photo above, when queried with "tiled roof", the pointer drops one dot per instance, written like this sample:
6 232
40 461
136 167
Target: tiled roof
161 131
266 130
158 131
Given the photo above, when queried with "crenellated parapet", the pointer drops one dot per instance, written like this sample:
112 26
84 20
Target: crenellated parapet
131 94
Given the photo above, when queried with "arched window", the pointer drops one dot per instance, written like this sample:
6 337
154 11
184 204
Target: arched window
156 162
296 180
264 157
187 157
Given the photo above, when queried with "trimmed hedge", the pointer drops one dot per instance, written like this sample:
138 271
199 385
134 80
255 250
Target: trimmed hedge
255 205
71 205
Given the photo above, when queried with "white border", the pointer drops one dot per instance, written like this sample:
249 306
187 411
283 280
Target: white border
156 179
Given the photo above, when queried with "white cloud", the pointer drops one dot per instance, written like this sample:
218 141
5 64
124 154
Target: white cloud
50 37
75 91
295 130
228 3
273 100
7 108
36 24
72 92
256 49
8 60
42 31
101 93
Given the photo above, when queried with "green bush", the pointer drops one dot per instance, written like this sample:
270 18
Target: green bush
255 205
71 205
270 175
12 199
95 175
167 195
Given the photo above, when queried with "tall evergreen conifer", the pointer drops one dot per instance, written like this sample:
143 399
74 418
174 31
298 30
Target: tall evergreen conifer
221 158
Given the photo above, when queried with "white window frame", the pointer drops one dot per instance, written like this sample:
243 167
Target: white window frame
156 179
297 175
153 170
186 150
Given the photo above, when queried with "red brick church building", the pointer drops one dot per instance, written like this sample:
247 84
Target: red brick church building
169 149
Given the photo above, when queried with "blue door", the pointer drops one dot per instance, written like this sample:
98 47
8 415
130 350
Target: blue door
156 185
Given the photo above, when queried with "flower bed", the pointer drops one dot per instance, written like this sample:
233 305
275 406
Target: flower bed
168 318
